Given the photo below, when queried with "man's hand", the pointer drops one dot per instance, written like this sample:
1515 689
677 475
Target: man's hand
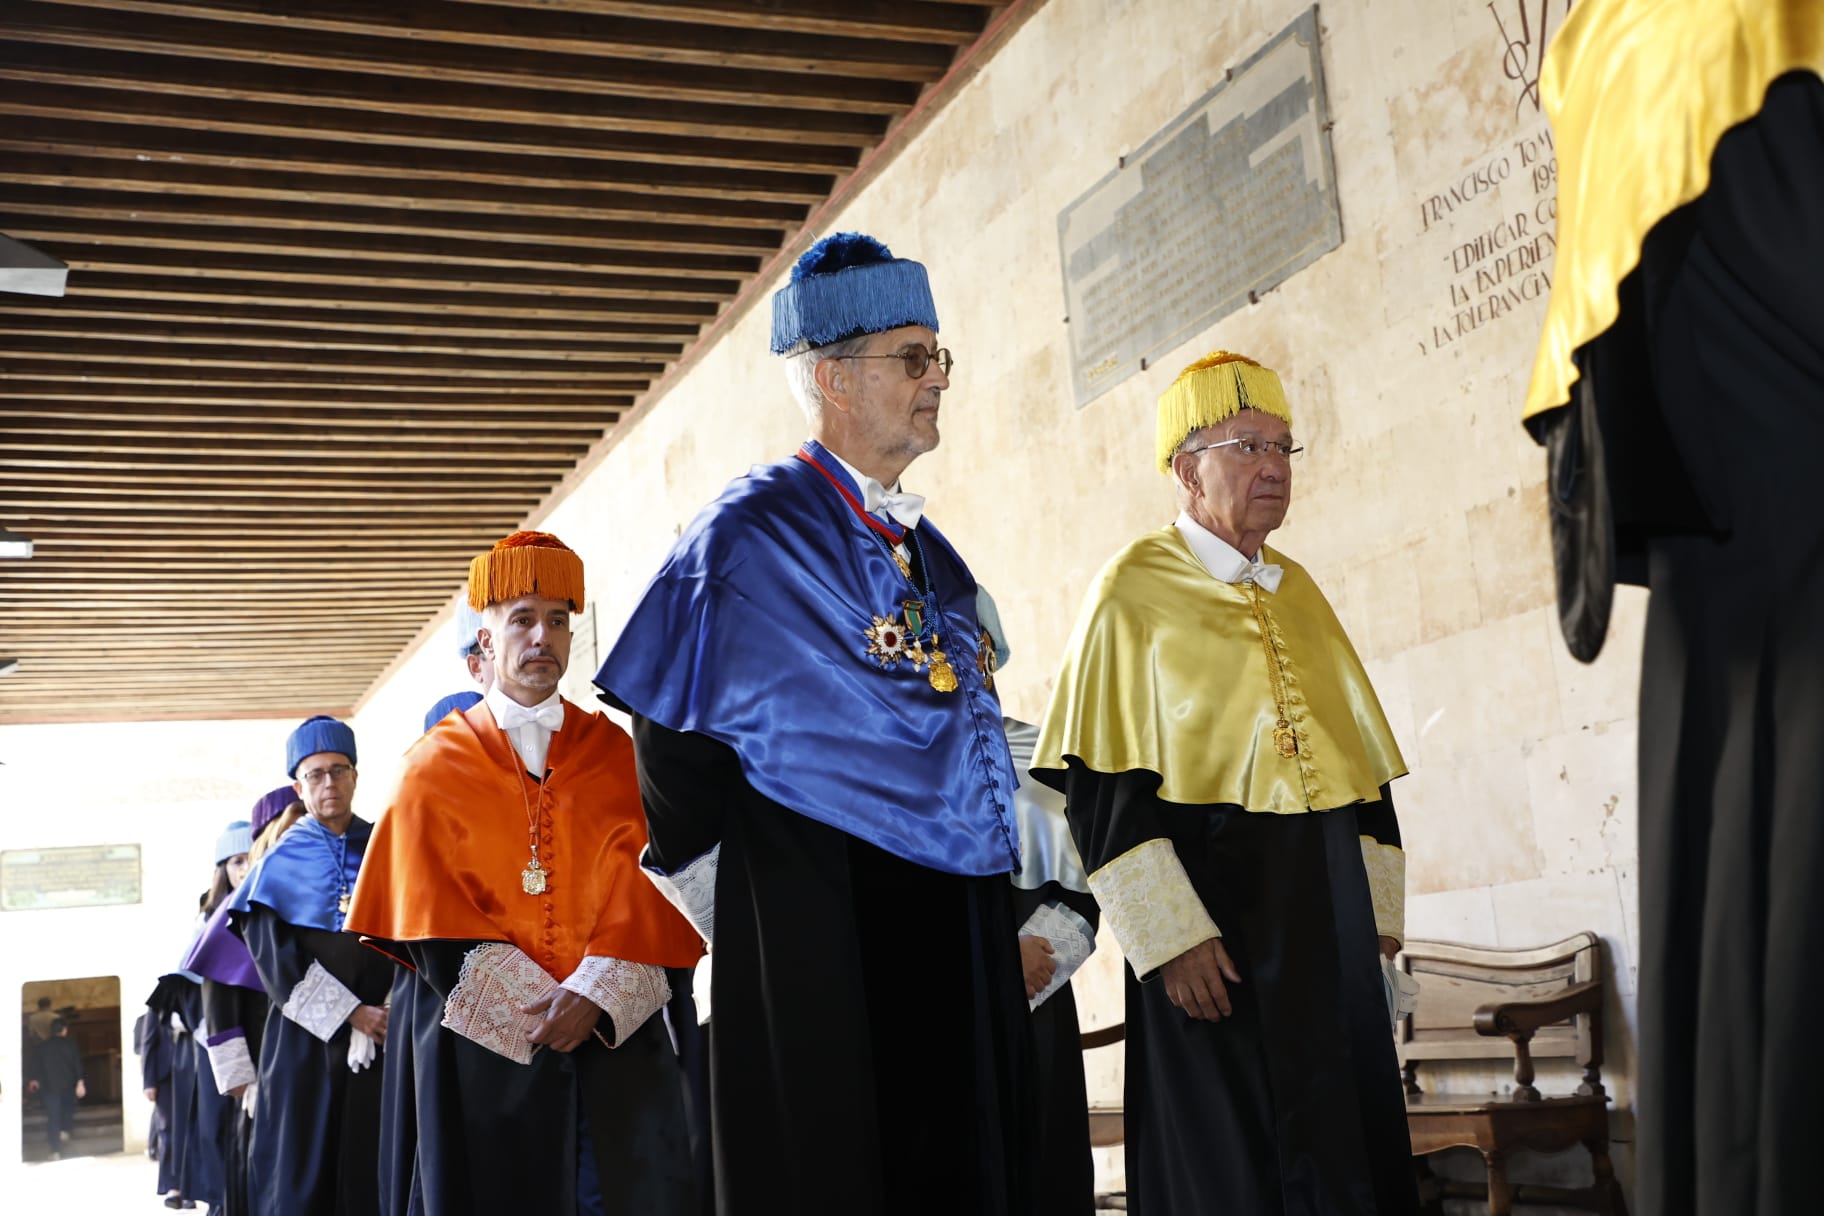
1390 946
31 1087
1037 963
82 1091
1194 981
370 1020
569 1019
152 1094
237 1091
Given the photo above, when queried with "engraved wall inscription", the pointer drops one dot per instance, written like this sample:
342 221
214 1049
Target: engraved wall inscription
1229 200
89 876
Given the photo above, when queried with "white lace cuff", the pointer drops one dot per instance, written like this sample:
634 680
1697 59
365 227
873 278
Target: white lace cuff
628 993
1386 868
1072 942
692 890
1151 906
496 981
320 1004
232 1064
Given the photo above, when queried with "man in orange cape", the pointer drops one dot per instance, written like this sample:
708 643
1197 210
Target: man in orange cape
506 875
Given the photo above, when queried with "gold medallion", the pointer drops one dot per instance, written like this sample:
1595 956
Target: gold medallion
943 676
1285 742
342 902
904 563
532 878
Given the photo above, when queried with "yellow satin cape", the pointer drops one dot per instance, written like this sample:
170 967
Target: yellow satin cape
1166 672
1638 93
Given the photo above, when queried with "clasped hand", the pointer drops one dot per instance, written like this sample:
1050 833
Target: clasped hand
568 1020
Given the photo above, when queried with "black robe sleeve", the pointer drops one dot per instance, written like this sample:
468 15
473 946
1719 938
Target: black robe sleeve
687 782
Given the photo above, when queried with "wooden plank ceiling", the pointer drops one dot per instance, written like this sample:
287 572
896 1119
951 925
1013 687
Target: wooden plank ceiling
355 284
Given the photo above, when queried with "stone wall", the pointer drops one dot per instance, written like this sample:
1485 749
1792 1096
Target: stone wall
1419 505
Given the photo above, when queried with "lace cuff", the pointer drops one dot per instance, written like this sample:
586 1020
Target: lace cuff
1151 906
692 890
320 1004
1386 868
496 981
1072 942
231 1063
628 993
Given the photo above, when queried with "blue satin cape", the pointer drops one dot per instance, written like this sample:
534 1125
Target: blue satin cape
298 879
754 632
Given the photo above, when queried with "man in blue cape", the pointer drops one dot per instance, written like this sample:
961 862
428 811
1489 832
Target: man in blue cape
829 789
317 1121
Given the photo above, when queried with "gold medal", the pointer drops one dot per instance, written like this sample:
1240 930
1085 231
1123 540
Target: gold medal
342 902
904 563
943 676
532 878
1285 742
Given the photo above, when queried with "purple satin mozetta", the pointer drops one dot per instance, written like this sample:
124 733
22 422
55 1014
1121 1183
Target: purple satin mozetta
755 632
220 955
304 875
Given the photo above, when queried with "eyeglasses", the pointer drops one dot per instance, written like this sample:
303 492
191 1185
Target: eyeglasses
1249 448
317 776
916 359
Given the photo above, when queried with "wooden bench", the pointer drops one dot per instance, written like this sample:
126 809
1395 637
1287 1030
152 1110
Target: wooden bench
1481 1004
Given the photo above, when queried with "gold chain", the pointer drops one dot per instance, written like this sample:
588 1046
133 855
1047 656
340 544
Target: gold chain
1285 739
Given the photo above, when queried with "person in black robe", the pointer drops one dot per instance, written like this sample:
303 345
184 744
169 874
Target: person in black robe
1680 394
1226 765
828 790
317 1116
542 1073
54 1073
152 1044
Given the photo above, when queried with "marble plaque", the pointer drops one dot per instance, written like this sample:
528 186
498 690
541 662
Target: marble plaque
85 877
1233 197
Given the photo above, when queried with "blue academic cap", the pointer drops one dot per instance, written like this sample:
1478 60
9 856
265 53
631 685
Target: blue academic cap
467 622
319 734
235 839
448 705
846 285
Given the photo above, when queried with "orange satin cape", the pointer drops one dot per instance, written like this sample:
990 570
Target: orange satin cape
445 860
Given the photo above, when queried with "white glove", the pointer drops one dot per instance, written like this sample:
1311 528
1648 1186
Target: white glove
250 1098
360 1050
699 989
1402 992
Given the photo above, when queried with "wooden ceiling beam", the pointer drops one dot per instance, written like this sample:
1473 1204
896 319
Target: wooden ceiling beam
898 20
357 298
349 403
894 50
87 449
686 258
660 339
333 410
433 72
293 134
289 339
272 498
34 426
45 55
22 350
653 226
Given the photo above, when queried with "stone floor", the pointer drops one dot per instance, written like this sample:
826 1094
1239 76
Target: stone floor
120 1184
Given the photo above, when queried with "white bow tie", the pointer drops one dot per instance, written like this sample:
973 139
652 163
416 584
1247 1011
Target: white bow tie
906 509
1264 573
550 715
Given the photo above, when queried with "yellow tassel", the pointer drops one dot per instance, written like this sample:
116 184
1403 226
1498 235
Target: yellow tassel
1212 390
514 568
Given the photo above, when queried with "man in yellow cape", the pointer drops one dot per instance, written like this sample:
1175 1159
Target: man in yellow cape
1677 390
1226 769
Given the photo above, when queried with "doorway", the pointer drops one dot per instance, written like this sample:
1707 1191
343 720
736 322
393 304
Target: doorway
70 1026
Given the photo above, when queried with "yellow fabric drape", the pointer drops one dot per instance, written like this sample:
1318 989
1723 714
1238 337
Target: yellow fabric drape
1638 93
1166 672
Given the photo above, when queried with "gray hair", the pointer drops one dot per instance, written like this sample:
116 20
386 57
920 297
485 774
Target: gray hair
801 371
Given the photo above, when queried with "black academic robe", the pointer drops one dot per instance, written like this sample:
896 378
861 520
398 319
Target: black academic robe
635 1160
1293 1103
871 1050
1067 1173
152 1041
316 1129
194 1165
227 1006
1703 407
